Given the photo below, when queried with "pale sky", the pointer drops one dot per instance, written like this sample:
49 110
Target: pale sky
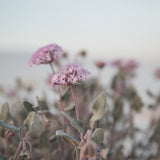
105 28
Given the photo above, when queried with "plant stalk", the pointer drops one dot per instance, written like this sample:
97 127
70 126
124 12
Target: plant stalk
74 100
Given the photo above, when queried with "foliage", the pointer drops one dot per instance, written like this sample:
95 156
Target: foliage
88 122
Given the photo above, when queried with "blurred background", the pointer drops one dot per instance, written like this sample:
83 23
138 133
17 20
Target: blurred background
105 29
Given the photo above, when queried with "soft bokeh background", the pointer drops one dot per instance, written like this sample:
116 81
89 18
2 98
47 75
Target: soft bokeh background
106 29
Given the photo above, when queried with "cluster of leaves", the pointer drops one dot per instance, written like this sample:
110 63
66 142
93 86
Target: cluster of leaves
41 130
46 135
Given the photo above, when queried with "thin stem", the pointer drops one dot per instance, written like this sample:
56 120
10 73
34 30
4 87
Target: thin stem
24 145
30 146
52 68
7 139
18 150
76 152
60 152
81 135
76 108
8 134
61 103
59 91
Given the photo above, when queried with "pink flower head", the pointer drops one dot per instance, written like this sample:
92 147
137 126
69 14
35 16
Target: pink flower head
130 65
100 64
157 73
69 74
46 55
83 53
116 63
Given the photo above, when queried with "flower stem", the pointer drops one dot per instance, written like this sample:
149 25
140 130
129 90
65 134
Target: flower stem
61 103
8 134
76 108
52 68
59 91
18 150
7 139
76 152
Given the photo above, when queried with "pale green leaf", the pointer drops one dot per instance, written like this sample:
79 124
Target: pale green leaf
77 124
67 137
28 122
98 109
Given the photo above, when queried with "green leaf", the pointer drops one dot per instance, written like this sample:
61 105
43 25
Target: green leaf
77 124
71 107
36 107
66 95
54 138
4 115
104 153
98 109
2 157
54 142
43 105
137 103
44 139
98 136
28 106
150 94
118 108
28 122
4 124
2 132
67 137
4 112
40 105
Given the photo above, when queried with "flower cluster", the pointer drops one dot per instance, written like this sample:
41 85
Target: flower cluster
46 55
128 66
69 74
116 63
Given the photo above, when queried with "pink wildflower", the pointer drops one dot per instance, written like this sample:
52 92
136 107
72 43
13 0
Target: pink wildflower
69 74
64 54
157 73
46 55
130 65
11 93
100 64
116 63
83 53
